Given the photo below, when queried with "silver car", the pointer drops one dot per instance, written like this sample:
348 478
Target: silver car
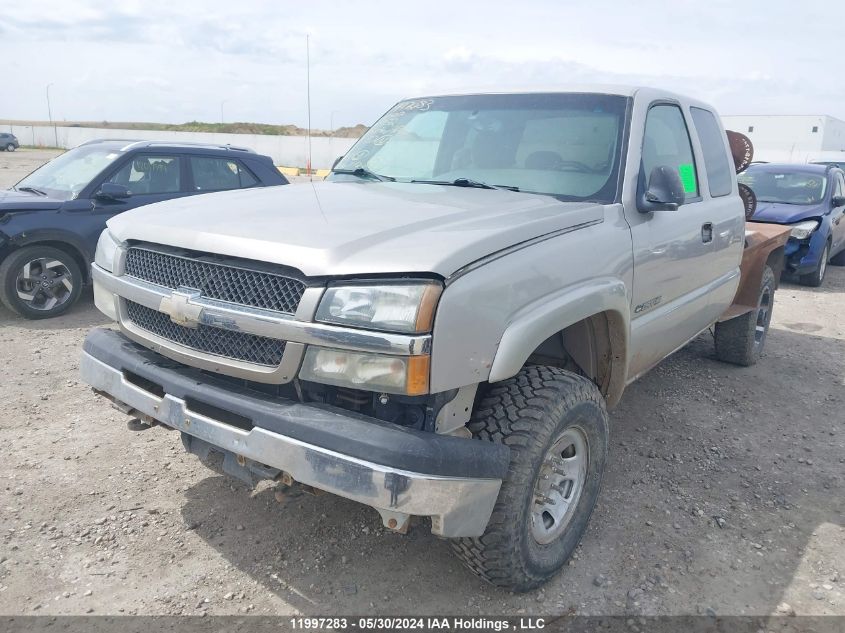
438 328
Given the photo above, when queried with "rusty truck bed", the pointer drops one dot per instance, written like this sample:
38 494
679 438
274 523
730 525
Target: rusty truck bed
764 244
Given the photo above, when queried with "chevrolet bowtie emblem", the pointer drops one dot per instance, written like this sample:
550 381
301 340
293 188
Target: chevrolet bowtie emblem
180 309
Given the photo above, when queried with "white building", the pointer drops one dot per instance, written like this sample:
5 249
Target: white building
791 138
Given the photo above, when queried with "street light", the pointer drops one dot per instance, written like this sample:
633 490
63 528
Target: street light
308 93
50 114
331 121
221 109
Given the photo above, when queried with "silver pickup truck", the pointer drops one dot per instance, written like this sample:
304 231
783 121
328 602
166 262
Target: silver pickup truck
438 329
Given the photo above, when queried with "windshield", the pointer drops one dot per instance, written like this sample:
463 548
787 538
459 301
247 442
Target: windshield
66 175
566 145
785 187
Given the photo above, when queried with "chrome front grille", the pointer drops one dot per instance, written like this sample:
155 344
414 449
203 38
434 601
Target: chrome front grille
250 348
222 281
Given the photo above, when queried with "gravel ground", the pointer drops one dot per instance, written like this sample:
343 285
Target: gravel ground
723 494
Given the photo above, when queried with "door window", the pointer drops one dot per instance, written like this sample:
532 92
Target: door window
220 174
715 155
148 174
667 142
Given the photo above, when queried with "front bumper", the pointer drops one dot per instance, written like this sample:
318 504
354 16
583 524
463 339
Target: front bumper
803 256
397 471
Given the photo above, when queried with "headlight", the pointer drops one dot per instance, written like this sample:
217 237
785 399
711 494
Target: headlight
407 308
802 230
106 251
372 372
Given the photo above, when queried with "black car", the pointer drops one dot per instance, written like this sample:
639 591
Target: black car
8 142
51 220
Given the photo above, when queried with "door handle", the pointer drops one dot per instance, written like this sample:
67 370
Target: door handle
707 232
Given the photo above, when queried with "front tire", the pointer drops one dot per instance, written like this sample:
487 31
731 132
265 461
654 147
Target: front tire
815 278
740 340
40 282
555 424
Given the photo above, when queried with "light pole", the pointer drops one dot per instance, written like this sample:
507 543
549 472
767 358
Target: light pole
331 121
308 94
221 109
50 114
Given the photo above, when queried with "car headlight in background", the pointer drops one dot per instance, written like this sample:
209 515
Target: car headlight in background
106 251
372 372
405 308
802 230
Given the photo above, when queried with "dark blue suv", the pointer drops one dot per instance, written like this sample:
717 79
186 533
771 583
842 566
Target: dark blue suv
51 220
810 199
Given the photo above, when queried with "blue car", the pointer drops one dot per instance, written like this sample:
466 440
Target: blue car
51 220
810 199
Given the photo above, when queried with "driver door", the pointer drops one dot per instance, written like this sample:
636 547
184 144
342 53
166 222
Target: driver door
672 249
149 178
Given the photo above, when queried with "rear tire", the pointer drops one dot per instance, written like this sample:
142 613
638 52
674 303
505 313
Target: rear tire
40 282
555 424
815 278
741 340
10 147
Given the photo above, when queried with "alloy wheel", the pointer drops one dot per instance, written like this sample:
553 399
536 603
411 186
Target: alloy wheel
764 312
44 283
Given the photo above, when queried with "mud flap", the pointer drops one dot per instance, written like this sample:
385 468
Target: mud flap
227 463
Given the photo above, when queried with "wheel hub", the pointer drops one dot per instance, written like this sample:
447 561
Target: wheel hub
44 283
763 316
559 485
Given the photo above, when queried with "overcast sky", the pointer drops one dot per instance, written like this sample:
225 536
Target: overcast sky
176 61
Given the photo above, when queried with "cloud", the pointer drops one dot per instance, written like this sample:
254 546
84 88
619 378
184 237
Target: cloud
177 61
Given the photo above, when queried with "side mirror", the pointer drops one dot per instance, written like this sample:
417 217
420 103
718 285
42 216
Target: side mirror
665 191
112 191
336 161
838 201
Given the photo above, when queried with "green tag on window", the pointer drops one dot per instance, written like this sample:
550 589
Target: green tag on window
687 174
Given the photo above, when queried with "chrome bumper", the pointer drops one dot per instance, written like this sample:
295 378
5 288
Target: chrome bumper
457 506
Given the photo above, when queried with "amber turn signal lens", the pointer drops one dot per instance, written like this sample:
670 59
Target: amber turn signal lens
428 305
417 378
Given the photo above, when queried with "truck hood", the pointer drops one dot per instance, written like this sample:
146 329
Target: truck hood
354 228
780 213
11 200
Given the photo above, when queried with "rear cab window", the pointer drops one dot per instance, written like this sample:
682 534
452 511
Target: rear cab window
713 148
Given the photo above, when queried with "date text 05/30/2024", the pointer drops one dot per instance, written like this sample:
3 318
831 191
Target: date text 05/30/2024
418 623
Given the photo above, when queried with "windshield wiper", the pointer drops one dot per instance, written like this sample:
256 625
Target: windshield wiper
784 202
467 182
31 190
361 172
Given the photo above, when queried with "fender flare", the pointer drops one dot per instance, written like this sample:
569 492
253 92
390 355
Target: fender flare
57 237
541 319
